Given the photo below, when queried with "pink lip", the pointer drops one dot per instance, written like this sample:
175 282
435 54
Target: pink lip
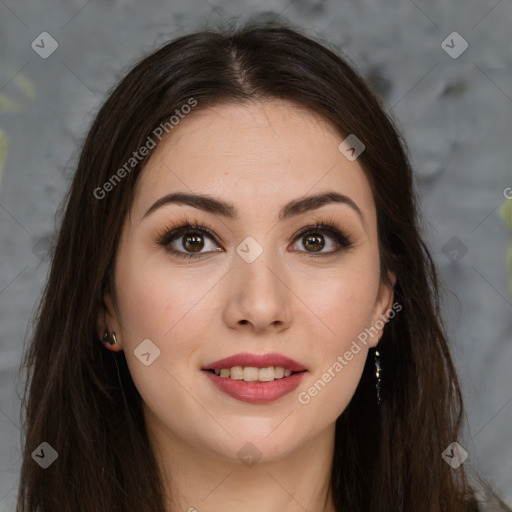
256 392
258 361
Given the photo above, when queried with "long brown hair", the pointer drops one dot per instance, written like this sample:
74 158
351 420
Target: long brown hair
80 398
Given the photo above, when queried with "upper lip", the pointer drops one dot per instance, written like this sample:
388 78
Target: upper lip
256 360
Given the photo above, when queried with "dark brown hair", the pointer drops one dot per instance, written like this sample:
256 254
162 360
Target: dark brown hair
81 399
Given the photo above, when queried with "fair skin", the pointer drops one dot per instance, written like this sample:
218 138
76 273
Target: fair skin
306 305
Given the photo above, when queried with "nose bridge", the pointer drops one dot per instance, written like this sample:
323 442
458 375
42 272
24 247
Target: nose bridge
259 293
258 263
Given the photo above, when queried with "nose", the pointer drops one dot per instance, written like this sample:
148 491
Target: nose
258 296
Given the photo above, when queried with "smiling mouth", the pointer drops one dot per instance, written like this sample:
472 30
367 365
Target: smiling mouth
254 374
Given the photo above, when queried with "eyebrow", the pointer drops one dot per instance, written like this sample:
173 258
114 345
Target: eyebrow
219 207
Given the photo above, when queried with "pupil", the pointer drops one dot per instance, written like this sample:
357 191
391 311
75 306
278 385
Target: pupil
314 242
193 243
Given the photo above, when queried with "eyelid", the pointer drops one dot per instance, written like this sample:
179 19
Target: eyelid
328 226
176 229
183 224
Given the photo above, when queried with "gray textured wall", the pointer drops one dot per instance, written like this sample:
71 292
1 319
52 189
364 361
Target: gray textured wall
455 111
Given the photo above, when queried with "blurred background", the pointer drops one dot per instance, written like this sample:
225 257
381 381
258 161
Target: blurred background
444 70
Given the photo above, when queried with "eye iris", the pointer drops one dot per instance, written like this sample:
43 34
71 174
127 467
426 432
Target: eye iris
314 242
193 242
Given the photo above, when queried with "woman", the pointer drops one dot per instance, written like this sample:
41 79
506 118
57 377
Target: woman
241 312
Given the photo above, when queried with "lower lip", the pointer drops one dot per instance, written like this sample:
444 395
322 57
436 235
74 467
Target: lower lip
256 392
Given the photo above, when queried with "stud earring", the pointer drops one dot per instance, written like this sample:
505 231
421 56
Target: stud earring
112 340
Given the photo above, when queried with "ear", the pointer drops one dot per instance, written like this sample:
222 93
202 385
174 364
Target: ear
382 309
107 321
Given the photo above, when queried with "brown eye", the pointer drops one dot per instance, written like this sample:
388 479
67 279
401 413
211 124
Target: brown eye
192 243
323 238
189 240
314 243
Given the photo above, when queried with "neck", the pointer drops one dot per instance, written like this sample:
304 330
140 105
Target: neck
200 480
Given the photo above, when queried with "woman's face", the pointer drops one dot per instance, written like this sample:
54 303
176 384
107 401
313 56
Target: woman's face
256 175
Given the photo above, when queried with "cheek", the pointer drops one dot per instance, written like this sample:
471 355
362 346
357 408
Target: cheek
155 299
344 302
340 301
157 305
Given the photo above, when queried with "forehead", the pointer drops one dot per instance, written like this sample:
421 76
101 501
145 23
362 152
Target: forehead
257 155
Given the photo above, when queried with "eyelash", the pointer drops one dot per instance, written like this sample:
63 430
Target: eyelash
184 226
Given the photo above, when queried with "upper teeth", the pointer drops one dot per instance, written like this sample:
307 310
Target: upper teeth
251 373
